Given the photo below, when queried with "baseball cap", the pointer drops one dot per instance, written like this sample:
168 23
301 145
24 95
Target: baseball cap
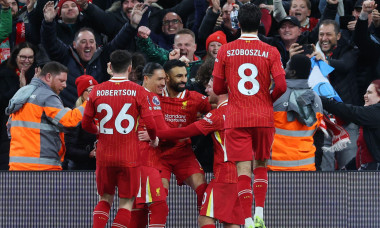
291 19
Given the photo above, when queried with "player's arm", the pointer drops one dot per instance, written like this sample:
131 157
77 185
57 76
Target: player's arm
150 125
279 88
179 133
220 86
278 74
88 118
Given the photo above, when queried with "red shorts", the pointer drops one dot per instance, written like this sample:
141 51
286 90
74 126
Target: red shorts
126 179
183 164
221 201
247 144
151 186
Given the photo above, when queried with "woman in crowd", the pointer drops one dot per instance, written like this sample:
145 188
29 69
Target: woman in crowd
80 147
15 72
368 118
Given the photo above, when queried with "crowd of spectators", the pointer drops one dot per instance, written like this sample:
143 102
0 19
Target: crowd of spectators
81 34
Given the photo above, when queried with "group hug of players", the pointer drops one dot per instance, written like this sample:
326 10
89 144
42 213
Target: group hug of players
143 135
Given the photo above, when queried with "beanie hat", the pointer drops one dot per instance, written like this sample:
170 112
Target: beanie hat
217 36
301 64
83 82
60 3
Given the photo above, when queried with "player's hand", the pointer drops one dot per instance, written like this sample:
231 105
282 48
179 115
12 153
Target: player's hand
295 49
92 153
154 143
143 32
143 136
174 54
49 12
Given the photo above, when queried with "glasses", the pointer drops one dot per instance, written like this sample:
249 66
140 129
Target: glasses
23 57
174 21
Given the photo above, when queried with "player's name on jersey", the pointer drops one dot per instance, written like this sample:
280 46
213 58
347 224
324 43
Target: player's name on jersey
175 118
116 92
247 52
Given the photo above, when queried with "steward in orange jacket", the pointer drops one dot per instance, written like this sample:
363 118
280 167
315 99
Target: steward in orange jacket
297 115
36 121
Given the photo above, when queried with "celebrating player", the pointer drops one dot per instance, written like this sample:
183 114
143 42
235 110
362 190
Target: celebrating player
153 195
180 108
220 200
117 104
246 67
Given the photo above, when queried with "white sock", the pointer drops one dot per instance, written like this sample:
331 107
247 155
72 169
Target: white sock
259 211
248 222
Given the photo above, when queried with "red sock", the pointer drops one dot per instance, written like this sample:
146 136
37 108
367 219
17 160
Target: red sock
140 218
200 191
260 185
209 226
122 218
101 214
158 213
245 195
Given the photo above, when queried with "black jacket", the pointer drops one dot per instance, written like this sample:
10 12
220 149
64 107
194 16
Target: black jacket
367 117
65 54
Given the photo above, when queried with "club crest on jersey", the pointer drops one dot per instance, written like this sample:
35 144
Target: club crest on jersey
184 105
209 115
158 192
156 101
204 97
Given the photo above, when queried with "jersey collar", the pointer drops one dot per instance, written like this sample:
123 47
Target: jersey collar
246 36
181 95
222 104
118 79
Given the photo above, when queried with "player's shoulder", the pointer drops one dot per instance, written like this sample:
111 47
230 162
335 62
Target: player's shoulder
195 94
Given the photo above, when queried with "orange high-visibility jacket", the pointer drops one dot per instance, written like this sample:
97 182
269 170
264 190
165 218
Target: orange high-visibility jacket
293 146
36 129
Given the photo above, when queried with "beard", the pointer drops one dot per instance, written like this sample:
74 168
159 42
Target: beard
176 87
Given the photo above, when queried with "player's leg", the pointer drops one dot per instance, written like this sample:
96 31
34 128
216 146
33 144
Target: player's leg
128 183
244 169
263 140
105 183
206 222
158 212
123 215
101 211
140 216
197 182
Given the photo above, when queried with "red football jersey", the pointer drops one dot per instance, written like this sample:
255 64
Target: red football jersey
248 65
213 122
117 104
180 112
149 155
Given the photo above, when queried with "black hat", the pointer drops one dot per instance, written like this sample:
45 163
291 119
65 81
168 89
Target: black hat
358 4
291 19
